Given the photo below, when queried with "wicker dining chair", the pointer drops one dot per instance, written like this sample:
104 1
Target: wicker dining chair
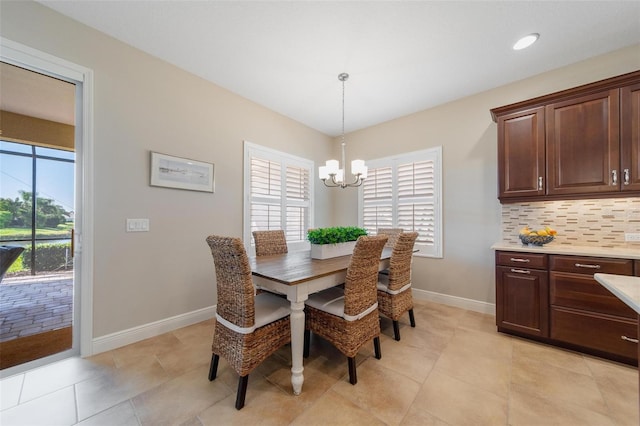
392 233
348 318
249 328
270 242
394 288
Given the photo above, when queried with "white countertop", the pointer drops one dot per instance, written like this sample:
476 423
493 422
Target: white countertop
624 287
555 248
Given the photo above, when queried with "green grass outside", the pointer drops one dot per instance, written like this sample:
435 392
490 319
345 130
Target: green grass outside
9 234
62 231
16 266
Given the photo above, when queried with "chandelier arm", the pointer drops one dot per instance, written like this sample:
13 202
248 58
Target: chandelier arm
358 181
332 183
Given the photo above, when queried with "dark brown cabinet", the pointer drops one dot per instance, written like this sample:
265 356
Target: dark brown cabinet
583 143
554 298
630 137
587 315
521 150
522 293
579 143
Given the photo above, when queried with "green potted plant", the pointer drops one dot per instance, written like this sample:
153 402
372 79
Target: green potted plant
334 241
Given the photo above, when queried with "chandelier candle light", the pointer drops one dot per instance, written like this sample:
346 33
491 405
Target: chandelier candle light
331 174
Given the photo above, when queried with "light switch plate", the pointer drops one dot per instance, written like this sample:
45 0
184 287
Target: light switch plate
632 236
137 225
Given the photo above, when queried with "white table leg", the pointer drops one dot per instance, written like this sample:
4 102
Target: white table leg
297 343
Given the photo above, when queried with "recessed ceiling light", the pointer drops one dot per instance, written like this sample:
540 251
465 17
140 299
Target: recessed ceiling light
526 41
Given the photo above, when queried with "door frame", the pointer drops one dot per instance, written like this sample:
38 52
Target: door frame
26 57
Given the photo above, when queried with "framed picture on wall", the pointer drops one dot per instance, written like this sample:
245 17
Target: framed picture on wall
182 173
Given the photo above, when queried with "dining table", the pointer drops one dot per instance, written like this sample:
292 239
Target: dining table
297 275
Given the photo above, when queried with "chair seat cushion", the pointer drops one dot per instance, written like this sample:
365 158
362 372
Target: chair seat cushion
383 285
330 300
268 308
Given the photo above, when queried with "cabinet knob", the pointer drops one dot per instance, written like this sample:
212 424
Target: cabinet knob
515 259
540 183
520 271
629 339
614 176
626 177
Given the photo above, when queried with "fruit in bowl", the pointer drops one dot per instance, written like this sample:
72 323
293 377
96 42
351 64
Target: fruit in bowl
538 237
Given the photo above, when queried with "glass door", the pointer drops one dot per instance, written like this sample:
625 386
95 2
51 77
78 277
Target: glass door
36 214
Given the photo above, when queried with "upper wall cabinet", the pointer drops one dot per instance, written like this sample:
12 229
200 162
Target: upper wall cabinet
630 134
578 143
583 144
521 153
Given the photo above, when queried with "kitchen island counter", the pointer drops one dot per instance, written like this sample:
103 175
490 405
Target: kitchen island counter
624 287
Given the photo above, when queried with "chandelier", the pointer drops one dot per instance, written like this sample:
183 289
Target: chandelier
331 174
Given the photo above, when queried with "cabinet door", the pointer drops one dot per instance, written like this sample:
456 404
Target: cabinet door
521 153
630 137
583 144
522 300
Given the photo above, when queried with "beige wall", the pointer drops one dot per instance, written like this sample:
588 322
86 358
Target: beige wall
142 104
471 209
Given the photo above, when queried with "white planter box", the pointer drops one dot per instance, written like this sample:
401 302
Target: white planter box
326 251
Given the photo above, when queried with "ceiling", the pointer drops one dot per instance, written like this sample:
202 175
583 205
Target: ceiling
36 95
402 56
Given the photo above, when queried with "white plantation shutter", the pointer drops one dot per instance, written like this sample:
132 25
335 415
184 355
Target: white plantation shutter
297 201
378 201
266 190
404 192
278 194
416 199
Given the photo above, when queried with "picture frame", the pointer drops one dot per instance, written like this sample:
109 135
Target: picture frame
182 173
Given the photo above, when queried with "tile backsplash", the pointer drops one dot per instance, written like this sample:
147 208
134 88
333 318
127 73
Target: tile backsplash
600 223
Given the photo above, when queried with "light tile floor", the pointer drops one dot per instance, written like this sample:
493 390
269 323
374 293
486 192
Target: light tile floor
452 369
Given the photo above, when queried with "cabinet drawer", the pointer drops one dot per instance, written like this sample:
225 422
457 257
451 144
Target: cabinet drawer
582 291
637 268
599 332
521 260
591 265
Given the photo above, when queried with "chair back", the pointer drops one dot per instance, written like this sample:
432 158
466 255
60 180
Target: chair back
233 280
362 274
400 263
270 242
392 233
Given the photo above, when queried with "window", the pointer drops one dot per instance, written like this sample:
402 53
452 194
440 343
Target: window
404 192
278 193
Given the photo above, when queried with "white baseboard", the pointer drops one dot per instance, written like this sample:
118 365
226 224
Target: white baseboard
132 335
458 302
136 334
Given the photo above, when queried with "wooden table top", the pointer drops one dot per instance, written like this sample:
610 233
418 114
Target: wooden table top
297 267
